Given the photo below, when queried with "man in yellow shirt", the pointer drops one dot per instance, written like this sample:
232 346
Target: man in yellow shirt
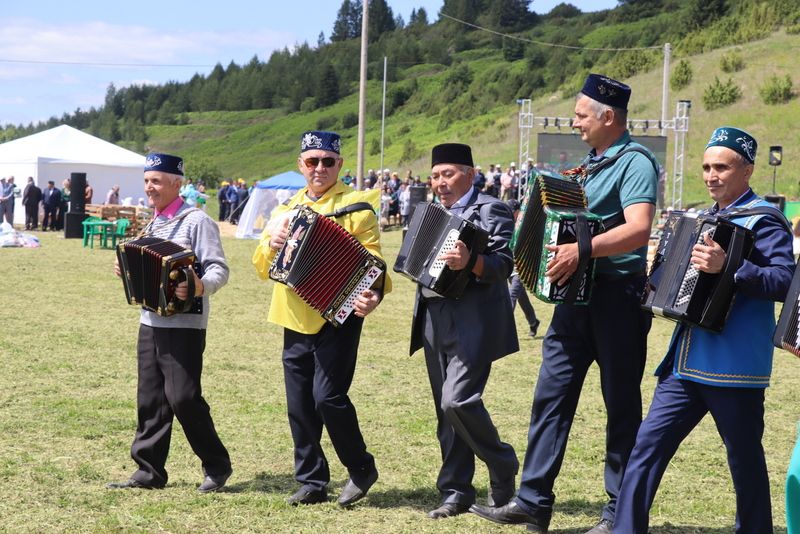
319 360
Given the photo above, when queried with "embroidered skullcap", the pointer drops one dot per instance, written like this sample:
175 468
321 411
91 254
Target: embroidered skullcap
607 91
313 139
455 153
735 139
164 163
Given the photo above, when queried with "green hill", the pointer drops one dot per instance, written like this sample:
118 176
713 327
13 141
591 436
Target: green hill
255 144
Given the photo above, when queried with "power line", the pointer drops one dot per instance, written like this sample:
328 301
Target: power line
542 43
100 64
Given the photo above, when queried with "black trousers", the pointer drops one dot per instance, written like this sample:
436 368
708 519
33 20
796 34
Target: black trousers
318 370
32 216
49 216
170 365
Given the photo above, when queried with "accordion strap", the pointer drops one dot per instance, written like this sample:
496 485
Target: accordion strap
358 206
608 161
758 210
584 239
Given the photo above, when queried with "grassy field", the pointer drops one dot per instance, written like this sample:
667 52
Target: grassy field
67 417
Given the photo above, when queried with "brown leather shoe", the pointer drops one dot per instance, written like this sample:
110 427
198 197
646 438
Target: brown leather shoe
448 509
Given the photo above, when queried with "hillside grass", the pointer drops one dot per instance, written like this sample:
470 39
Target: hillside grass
68 415
257 144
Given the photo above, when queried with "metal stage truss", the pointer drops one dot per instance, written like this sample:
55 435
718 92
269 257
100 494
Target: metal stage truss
678 125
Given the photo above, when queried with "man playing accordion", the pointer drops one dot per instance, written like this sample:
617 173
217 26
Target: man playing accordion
319 360
722 373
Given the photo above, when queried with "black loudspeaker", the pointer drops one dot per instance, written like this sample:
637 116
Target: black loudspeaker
77 192
416 194
779 201
72 225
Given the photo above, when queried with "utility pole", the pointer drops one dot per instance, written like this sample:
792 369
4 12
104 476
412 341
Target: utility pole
665 86
362 95
383 110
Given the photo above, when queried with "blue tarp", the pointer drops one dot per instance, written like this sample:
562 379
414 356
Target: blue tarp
285 180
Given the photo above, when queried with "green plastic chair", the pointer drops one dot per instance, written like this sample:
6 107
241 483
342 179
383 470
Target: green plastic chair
89 230
120 229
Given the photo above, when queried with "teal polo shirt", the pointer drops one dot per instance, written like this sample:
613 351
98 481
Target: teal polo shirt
631 179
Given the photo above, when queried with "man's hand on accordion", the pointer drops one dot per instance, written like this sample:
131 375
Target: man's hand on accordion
563 264
182 289
709 258
366 302
457 257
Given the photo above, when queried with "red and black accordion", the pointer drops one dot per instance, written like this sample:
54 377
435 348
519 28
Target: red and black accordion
787 332
675 289
432 231
326 266
151 269
554 213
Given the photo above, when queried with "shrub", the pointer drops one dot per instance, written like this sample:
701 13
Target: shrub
327 123
681 76
776 90
720 94
349 120
732 62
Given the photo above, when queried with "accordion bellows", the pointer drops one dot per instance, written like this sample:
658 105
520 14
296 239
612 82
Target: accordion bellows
151 269
324 265
432 231
675 289
787 332
554 213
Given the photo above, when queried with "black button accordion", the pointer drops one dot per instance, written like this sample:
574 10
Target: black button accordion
432 231
787 332
554 213
151 269
675 289
325 266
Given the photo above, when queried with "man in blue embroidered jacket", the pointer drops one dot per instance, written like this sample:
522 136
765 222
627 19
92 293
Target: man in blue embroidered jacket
721 373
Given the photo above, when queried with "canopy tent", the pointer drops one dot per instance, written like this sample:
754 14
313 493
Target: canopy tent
56 153
265 196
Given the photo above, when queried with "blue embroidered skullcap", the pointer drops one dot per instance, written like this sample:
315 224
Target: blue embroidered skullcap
607 91
735 139
312 139
164 163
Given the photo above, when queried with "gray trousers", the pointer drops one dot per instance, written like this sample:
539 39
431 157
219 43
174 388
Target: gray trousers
464 427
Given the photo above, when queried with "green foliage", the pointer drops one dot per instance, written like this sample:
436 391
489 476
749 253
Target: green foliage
203 170
631 62
794 29
326 123
375 147
349 120
410 152
681 76
720 94
732 61
513 49
776 90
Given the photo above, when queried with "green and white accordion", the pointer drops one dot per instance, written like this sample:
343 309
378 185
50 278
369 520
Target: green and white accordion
554 213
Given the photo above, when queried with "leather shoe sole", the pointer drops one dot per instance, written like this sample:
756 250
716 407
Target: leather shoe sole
304 496
448 509
131 483
212 483
352 492
511 514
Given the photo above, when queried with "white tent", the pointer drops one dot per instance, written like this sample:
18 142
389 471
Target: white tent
55 154
265 196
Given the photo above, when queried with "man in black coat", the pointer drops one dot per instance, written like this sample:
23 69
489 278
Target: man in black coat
51 200
31 196
461 342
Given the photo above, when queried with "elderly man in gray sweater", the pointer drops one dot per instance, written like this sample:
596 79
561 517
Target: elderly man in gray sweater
170 349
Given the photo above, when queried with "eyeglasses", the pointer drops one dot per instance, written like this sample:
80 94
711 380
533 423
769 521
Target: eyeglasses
312 163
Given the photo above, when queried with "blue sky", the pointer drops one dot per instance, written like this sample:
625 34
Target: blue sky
45 44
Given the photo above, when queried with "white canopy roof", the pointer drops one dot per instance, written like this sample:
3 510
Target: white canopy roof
65 144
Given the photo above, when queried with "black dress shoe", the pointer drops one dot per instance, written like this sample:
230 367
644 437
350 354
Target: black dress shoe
354 492
131 483
212 483
500 493
306 496
512 514
448 509
604 526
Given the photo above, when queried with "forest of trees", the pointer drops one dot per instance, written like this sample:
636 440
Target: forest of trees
280 82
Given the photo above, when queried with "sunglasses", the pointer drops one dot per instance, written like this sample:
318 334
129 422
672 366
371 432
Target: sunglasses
312 163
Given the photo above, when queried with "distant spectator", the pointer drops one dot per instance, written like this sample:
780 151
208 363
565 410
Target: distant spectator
222 197
51 200
30 199
347 179
479 181
202 197
88 193
404 198
233 200
7 200
112 198
63 207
